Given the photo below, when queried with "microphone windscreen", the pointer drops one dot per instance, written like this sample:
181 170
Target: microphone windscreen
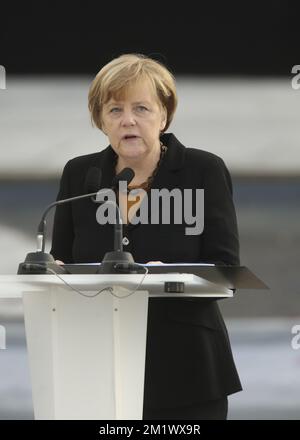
92 180
126 175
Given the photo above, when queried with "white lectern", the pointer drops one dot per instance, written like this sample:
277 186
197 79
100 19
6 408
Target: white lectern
87 354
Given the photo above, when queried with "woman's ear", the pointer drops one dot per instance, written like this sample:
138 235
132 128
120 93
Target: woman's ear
163 120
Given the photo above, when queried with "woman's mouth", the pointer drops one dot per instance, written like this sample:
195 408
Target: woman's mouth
130 137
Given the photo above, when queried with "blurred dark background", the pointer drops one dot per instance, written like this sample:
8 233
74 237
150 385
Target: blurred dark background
210 38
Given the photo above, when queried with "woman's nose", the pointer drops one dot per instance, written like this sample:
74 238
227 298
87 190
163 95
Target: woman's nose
128 118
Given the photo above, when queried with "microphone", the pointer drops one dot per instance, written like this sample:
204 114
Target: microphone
126 175
117 261
38 262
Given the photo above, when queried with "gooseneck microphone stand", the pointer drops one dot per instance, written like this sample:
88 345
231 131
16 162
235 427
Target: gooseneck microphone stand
119 261
39 262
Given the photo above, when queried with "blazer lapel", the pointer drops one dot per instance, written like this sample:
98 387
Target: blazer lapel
107 167
168 175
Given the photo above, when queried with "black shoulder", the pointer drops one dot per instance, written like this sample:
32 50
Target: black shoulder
75 170
202 158
85 161
210 167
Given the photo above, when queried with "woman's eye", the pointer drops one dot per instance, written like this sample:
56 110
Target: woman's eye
115 110
142 108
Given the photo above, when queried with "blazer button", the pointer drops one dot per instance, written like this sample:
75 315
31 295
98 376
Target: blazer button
125 241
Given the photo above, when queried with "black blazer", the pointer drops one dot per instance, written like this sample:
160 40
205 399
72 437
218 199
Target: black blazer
188 356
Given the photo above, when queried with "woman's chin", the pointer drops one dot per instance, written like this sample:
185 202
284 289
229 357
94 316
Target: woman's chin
132 153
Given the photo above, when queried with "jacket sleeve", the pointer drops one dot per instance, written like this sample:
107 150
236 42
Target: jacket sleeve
220 240
63 230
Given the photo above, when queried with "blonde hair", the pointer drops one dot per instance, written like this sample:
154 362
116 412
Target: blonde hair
116 76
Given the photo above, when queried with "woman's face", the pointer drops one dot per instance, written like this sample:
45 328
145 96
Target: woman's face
133 123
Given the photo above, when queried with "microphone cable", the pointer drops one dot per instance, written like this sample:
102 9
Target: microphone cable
110 289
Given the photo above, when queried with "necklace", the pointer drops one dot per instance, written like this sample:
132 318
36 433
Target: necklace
147 184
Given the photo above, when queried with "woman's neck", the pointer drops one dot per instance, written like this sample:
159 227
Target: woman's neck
142 167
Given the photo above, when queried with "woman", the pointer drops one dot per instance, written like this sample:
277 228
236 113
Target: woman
189 365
